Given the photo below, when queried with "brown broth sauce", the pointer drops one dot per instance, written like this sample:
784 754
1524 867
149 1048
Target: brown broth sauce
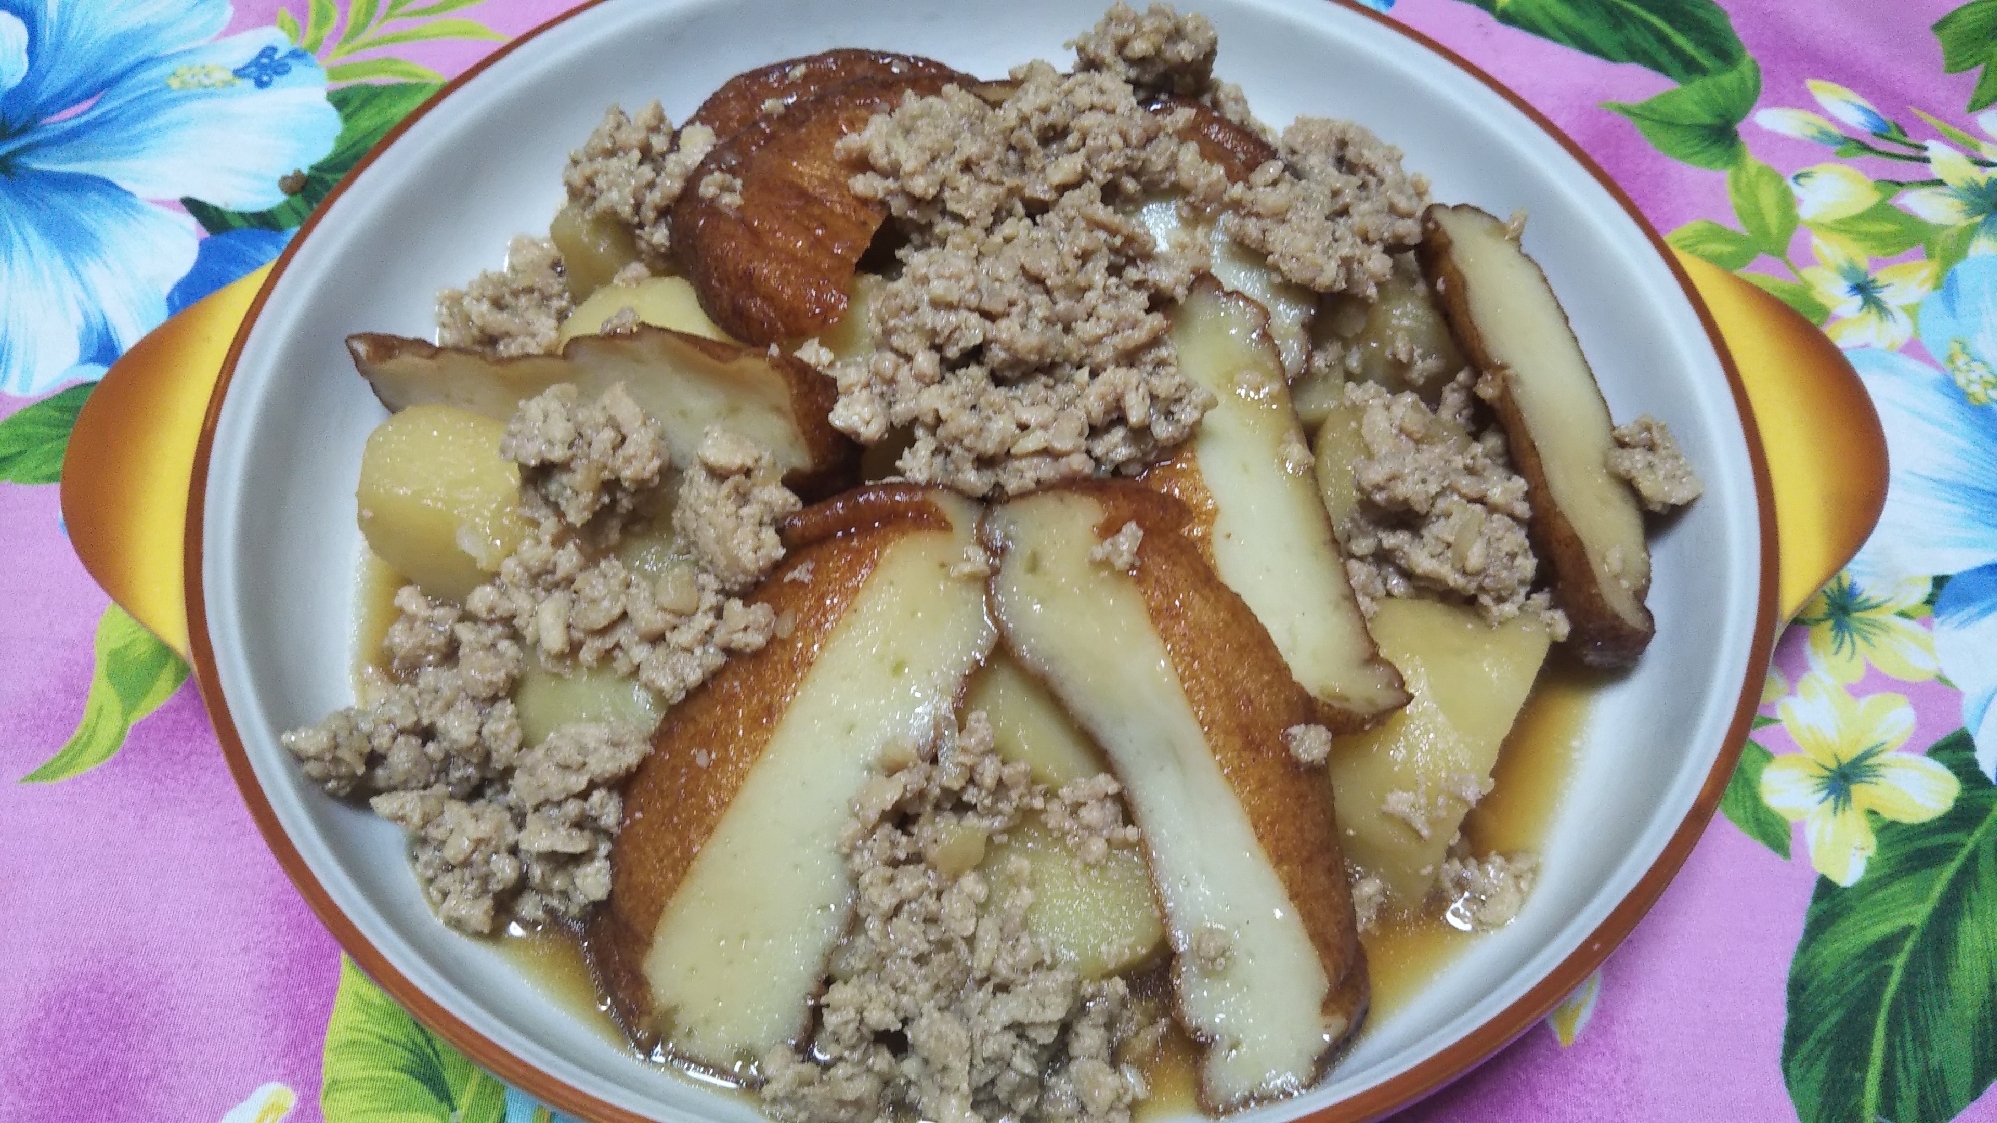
1404 953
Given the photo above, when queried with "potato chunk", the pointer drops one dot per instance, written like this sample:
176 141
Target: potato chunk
1585 521
592 249
1403 788
665 302
1101 918
546 699
437 501
1029 725
1400 340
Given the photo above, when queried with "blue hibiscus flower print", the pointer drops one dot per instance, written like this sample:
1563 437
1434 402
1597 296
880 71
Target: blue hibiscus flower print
1941 501
105 107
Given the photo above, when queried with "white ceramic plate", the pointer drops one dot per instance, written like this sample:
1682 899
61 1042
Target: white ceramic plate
273 541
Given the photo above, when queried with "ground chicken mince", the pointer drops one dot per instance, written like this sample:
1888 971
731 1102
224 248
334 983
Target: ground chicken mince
1023 340
1649 458
1486 893
514 311
942 1005
632 170
1331 213
1437 509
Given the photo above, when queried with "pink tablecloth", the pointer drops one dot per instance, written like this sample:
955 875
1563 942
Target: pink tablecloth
158 966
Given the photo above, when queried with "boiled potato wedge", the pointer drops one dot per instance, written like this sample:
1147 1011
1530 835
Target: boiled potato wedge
663 302
437 501
1028 725
1585 522
593 250
1399 340
728 886
1402 789
1246 475
1173 677
1100 918
1291 307
547 698
685 382
773 260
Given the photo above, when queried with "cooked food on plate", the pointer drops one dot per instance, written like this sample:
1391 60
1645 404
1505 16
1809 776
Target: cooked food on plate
962 595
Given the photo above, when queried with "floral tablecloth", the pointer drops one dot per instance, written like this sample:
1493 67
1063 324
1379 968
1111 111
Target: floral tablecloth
1829 951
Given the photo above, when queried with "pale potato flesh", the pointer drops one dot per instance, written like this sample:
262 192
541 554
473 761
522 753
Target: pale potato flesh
1469 679
1291 307
741 947
686 383
664 302
1028 725
547 698
437 501
1381 341
1338 447
1586 521
853 336
1085 630
1271 540
1101 918
592 249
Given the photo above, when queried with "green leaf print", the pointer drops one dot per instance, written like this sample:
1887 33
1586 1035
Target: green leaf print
1723 246
1680 39
34 438
1881 230
1699 122
1910 948
135 675
366 115
1795 294
1969 39
381 1066
1764 204
1948 245
1743 806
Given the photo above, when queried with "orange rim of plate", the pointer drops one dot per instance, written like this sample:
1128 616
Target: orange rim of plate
1398 1091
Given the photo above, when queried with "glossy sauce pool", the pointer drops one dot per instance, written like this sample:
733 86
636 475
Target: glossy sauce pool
1404 953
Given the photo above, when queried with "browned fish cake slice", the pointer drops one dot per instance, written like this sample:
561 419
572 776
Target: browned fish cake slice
728 888
1188 697
750 95
686 382
773 259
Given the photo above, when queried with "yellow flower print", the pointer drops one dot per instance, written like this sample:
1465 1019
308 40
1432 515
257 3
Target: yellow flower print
1967 197
1773 687
1852 625
1849 765
1848 107
267 1104
1829 192
1870 309
1801 124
